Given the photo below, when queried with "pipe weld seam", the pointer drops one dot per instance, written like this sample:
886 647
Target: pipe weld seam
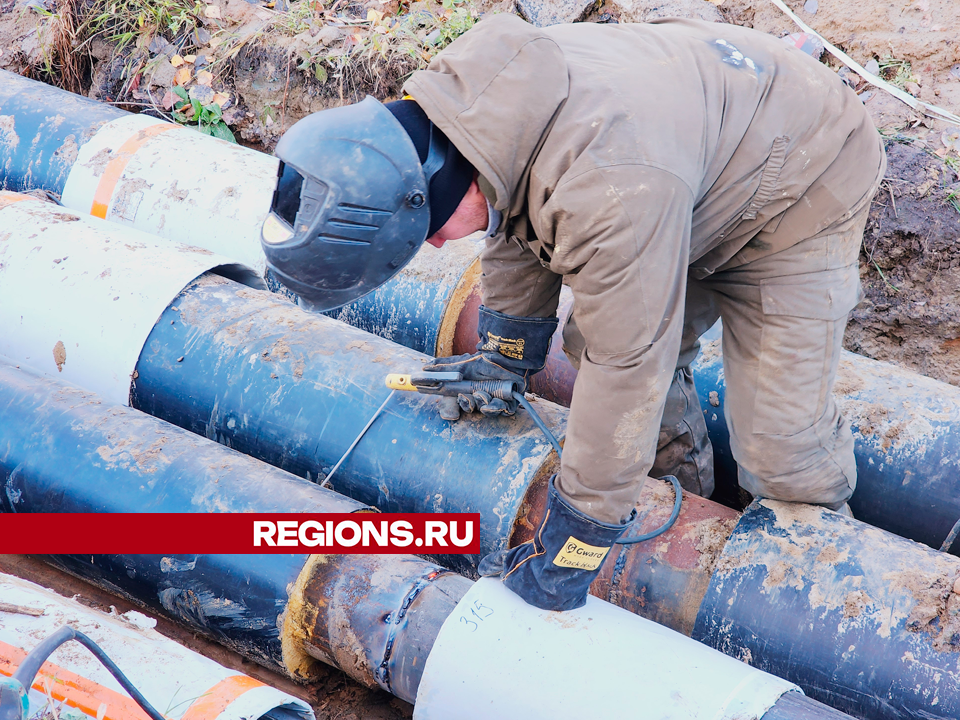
397 618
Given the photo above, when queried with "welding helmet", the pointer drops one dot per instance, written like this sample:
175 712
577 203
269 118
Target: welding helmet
351 205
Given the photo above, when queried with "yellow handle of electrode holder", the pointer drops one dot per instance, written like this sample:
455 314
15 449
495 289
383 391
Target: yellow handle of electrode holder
395 381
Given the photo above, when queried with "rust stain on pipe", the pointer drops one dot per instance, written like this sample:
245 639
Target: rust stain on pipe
553 383
663 579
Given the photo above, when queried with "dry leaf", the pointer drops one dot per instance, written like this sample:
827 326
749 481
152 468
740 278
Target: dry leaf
182 77
176 61
213 12
190 59
374 16
169 100
221 99
205 78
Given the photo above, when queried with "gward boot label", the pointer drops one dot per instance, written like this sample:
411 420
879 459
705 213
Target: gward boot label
579 555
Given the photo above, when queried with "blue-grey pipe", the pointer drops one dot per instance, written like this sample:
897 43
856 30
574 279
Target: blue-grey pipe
41 130
63 450
254 372
885 644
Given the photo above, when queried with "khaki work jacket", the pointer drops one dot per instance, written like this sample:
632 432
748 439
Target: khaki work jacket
625 157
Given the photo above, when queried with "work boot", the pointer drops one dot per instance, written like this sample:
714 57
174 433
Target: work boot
554 570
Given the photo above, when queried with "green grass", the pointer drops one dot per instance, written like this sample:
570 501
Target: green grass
125 21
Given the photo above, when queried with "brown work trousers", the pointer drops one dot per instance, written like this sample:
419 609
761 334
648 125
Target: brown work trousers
783 321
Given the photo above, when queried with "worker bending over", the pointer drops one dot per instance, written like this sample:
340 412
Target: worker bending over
673 173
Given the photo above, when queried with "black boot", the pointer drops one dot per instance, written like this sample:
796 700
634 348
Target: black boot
554 570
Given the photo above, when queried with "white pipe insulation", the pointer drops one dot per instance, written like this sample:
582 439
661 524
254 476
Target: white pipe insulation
497 657
181 684
177 184
79 296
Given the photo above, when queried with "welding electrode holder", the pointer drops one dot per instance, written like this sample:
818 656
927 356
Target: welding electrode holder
452 384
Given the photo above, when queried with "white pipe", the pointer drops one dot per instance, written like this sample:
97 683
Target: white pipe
178 682
177 184
497 657
79 296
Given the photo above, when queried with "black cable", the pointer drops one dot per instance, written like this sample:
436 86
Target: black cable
30 666
678 491
951 537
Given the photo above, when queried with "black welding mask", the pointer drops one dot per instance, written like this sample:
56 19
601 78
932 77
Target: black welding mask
352 204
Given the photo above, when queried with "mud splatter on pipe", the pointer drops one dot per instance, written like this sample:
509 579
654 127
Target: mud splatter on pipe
379 618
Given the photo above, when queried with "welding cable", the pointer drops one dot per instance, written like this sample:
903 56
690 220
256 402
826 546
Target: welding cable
677 490
326 481
31 664
951 537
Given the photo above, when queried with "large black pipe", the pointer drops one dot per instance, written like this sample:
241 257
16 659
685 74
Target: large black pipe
375 617
254 372
63 450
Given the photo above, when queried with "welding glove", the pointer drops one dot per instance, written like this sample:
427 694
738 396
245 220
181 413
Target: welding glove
510 348
554 570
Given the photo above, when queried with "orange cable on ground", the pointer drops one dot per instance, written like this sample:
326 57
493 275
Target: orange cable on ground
88 696
213 702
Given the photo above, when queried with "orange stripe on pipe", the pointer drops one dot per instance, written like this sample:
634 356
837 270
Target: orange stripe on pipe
75 690
9 198
116 166
218 698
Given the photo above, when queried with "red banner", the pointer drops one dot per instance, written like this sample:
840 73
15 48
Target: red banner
239 533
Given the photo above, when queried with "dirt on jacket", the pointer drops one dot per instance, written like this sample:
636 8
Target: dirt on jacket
626 157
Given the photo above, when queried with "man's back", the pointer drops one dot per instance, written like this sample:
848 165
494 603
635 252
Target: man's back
746 123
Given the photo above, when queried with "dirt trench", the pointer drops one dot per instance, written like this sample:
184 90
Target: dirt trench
910 267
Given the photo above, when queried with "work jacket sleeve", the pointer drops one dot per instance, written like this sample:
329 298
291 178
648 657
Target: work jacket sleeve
623 233
515 282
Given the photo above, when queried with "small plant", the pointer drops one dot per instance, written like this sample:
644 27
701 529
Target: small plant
208 118
953 197
897 72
